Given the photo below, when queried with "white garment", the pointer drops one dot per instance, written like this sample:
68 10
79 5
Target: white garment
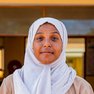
37 78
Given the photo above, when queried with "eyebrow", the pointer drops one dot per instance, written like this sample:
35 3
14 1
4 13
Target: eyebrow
51 32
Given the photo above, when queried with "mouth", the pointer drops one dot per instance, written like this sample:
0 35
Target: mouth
46 52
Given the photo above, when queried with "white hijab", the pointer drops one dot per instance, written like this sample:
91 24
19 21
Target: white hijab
37 78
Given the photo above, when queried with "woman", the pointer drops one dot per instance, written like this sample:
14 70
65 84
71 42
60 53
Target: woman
45 70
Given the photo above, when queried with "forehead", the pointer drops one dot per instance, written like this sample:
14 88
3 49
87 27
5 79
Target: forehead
47 27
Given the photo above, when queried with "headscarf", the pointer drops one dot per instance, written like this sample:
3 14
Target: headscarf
37 78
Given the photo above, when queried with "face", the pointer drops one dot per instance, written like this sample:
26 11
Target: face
47 44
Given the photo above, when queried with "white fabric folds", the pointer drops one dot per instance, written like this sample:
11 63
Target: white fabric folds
37 78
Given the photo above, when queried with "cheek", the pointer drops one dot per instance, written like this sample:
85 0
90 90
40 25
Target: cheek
57 46
57 49
36 48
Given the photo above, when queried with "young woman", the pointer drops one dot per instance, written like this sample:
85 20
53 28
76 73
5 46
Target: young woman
45 70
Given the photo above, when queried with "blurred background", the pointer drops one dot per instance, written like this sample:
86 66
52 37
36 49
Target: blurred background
78 17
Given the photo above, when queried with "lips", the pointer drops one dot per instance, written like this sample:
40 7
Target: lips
47 52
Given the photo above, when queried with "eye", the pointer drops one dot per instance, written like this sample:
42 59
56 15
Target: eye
39 38
54 39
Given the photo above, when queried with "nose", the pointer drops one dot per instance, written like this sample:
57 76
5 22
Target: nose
47 43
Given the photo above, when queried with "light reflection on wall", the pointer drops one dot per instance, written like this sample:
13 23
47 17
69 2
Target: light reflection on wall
75 54
1 63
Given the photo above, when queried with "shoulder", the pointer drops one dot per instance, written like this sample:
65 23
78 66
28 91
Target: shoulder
7 85
80 81
83 86
8 80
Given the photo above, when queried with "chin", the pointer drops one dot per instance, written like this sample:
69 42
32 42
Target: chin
46 62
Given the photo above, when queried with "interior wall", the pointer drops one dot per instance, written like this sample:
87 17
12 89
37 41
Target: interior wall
14 49
1 42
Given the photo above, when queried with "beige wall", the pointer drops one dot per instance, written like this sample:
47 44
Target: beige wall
14 49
